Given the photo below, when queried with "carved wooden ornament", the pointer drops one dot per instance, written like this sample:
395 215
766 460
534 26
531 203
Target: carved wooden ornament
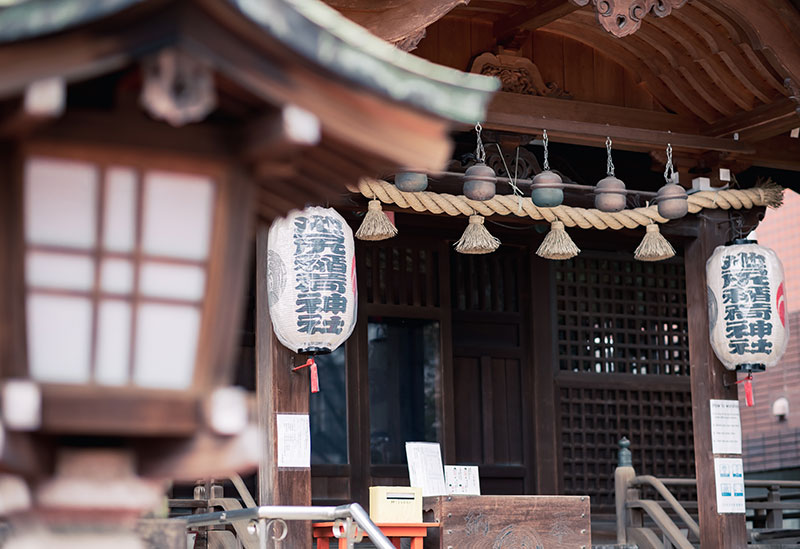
517 74
624 17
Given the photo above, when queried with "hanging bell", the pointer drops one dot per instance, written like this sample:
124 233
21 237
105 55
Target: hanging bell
609 194
479 182
546 191
411 182
673 202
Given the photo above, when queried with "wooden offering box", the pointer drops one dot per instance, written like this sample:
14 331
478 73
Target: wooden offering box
500 522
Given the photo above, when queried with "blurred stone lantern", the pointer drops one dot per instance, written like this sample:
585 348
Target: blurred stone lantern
128 265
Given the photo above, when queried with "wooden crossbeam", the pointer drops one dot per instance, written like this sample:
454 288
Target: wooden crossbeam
587 123
535 15
760 123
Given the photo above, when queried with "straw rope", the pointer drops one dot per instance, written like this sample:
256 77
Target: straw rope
768 194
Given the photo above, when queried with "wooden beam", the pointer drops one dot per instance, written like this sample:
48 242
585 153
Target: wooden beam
537 14
710 380
43 101
771 28
395 21
278 390
780 152
587 123
281 132
760 123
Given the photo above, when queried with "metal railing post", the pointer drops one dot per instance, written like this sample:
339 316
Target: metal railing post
622 477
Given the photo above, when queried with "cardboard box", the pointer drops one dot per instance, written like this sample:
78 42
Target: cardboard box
395 504
489 522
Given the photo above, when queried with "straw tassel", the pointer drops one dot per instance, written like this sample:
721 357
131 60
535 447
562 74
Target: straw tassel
476 238
557 244
376 226
654 247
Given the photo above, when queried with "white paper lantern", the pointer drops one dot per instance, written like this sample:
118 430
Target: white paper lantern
746 306
311 274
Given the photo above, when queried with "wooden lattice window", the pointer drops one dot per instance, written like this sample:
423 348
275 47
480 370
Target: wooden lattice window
617 315
401 275
657 421
485 283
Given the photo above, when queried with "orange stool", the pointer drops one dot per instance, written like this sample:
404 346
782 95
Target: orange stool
323 532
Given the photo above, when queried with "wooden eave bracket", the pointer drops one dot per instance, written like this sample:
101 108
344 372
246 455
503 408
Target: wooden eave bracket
43 101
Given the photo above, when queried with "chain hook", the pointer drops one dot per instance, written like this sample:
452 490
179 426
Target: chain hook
480 152
546 163
669 171
609 161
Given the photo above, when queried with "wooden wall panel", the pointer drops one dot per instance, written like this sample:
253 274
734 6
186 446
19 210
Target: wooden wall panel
586 74
609 81
579 77
548 55
466 379
454 43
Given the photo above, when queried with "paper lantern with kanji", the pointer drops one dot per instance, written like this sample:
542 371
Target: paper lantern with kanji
746 306
312 280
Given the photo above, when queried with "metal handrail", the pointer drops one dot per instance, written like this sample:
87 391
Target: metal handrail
269 512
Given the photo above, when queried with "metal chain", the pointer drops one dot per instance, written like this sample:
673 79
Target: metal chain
609 162
669 171
546 163
480 152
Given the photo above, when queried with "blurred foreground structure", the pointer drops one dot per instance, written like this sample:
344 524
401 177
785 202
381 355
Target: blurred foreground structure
149 144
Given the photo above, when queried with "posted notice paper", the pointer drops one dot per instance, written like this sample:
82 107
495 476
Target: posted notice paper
462 480
729 474
726 427
425 468
294 440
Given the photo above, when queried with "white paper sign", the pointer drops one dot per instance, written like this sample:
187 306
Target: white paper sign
425 468
462 479
726 427
729 474
294 440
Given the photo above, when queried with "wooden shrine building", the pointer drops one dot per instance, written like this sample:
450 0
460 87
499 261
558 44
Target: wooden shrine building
530 368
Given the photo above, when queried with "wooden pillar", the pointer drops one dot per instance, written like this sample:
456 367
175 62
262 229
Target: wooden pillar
546 413
279 391
710 380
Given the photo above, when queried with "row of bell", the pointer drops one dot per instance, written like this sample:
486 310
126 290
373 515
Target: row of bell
547 191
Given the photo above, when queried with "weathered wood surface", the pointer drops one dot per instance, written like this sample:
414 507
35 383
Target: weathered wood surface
280 391
710 380
395 20
505 522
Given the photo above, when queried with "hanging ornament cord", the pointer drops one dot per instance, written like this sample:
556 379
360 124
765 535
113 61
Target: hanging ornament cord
748 389
480 152
609 161
312 367
513 181
669 170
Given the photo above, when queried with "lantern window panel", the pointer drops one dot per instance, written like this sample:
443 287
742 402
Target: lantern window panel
60 203
177 215
116 276
113 346
59 338
119 220
116 269
59 271
185 282
166 345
